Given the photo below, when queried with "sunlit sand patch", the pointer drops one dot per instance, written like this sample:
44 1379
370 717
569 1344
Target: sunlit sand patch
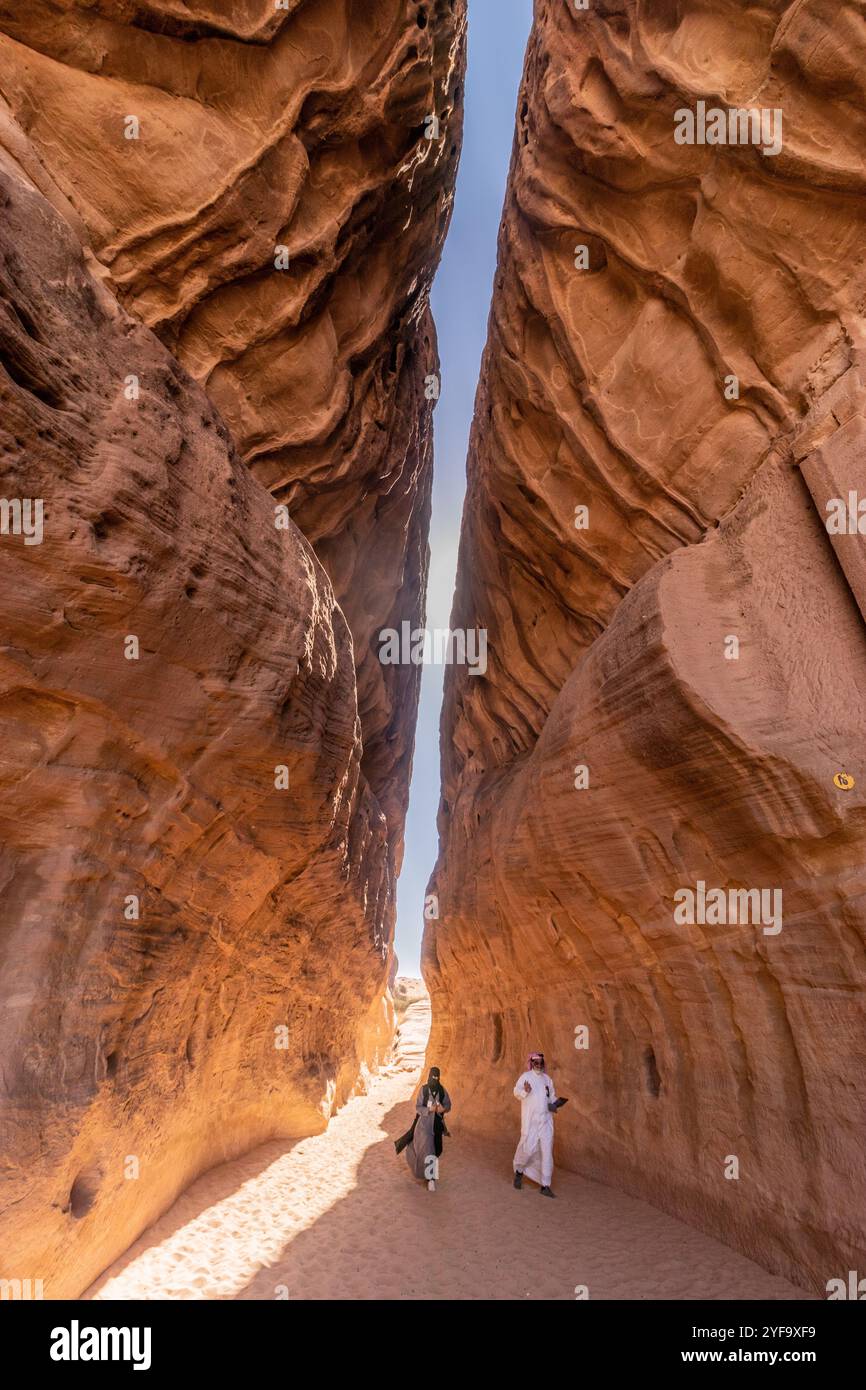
339 1216
216 1254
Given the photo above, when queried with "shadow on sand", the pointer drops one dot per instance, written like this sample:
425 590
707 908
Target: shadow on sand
339 1216
478 1238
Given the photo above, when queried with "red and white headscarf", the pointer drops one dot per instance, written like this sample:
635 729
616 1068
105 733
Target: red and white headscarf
534 1056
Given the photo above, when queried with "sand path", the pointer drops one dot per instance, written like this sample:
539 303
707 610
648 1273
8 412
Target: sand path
338 1216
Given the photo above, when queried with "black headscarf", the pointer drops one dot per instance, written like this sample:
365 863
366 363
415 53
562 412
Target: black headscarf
434 1083
432 1087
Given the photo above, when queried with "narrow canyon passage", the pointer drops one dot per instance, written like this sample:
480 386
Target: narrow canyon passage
587 697
338 1216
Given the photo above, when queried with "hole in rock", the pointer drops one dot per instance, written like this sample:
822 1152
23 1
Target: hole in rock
103 523
653 1076
497 1037
84 1192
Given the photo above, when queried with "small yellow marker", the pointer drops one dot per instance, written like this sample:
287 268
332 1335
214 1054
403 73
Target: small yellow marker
844 781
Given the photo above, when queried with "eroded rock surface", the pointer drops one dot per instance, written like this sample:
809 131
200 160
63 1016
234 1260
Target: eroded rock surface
257 186
699 388
194 959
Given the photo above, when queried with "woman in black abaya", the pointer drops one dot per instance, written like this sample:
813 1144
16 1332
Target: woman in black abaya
423 1142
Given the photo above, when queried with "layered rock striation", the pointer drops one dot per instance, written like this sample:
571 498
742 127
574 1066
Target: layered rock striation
217 243
258 187
672 397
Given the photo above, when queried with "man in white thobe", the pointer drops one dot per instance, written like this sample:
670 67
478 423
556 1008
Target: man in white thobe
534 1155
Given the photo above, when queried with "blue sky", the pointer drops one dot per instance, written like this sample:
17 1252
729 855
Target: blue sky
498 30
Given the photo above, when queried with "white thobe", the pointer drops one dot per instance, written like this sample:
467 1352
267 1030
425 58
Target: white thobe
534 1154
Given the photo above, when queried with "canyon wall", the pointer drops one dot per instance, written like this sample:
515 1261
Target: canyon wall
672 395
216 250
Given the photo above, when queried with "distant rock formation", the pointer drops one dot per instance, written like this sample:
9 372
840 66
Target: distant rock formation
407 990
204 767
672 396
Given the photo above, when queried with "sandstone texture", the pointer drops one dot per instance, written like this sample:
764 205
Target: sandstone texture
675 676
295 136
225 315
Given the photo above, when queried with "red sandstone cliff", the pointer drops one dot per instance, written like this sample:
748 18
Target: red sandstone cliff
621 746
226 313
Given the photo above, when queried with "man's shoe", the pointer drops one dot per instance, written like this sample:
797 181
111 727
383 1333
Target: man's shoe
518 1180
546 1192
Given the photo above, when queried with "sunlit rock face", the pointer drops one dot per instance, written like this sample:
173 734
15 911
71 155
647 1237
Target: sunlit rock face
204 767
671 398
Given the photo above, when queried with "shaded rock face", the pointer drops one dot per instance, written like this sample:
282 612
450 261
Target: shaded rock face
257 187
204 769
674 693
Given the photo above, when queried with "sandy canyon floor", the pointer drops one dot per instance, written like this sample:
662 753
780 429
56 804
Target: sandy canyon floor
338 1216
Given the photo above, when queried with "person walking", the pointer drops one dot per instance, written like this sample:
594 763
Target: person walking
538 1105
423 1142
